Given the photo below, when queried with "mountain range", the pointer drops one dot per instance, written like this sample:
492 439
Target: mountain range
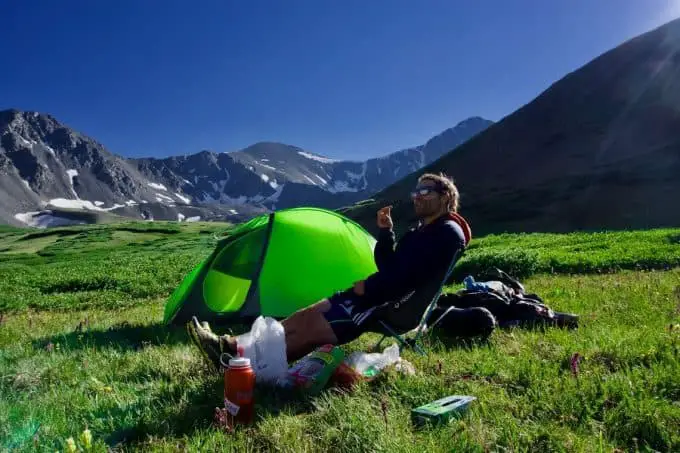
51 174
599 149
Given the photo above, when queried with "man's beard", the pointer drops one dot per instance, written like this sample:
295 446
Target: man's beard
426 209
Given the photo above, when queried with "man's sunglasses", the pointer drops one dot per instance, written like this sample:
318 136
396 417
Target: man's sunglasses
424 191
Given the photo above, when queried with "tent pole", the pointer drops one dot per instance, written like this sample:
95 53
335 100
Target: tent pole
254 287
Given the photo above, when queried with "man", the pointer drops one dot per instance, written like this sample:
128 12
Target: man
423 252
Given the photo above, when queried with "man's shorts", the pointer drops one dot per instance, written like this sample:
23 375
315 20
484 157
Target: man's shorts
347 322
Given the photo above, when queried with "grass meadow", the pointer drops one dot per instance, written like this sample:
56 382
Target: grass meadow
82 346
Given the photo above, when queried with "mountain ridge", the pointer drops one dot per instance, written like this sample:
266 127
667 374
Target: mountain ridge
48 165
597 149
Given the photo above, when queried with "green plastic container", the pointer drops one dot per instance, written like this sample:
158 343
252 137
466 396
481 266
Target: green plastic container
441 411
313 371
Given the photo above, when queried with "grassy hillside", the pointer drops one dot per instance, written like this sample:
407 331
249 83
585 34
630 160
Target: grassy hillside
81 345
106 266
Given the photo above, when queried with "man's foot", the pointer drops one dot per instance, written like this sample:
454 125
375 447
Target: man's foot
211 346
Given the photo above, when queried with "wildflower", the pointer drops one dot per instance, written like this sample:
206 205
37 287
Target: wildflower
574 363
71 445
86 439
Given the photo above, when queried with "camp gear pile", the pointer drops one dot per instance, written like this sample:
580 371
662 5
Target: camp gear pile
493 299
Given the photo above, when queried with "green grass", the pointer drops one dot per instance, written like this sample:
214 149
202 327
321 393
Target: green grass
81 345
99 266
527 254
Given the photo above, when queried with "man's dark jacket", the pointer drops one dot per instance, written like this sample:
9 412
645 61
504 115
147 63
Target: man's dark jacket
423 253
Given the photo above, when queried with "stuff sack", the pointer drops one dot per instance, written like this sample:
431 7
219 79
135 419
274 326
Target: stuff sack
475 322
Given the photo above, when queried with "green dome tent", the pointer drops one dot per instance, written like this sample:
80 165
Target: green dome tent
274 265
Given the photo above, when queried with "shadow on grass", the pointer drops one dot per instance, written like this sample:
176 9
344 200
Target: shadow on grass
199 414
441 339
128 336
123 335
168 421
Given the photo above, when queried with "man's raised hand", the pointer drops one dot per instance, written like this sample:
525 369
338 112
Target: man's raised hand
385 217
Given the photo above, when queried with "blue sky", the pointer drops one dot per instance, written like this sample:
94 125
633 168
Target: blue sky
347 79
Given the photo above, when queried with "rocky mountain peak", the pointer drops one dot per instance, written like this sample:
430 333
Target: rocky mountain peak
46 164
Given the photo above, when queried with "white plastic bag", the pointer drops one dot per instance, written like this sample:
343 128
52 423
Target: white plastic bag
405 367
265 346
370 364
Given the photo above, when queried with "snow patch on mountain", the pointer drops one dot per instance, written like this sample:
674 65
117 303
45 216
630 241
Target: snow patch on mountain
321 159
25 142
45 219
311 181
65 203
342 186
359 176
163 198
72 174
157 186
186 200
27 217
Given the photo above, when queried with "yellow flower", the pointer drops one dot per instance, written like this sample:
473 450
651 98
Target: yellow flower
86 439
71 445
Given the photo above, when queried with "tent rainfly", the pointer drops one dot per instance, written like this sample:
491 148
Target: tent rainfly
273 265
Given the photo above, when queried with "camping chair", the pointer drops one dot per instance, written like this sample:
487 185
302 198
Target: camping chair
400 316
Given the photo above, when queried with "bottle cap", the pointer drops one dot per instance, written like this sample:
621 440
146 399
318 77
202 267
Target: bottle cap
239 362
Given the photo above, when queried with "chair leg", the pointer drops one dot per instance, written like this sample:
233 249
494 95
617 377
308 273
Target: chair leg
394 335
401 341
380 342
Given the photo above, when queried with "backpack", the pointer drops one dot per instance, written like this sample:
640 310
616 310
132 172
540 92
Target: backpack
506 299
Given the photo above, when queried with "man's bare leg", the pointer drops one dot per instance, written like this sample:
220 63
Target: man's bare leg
307 329
304 331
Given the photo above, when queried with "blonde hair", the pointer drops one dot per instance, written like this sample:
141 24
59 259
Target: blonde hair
446 185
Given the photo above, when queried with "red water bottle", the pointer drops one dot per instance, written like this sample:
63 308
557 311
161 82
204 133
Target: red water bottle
239 386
